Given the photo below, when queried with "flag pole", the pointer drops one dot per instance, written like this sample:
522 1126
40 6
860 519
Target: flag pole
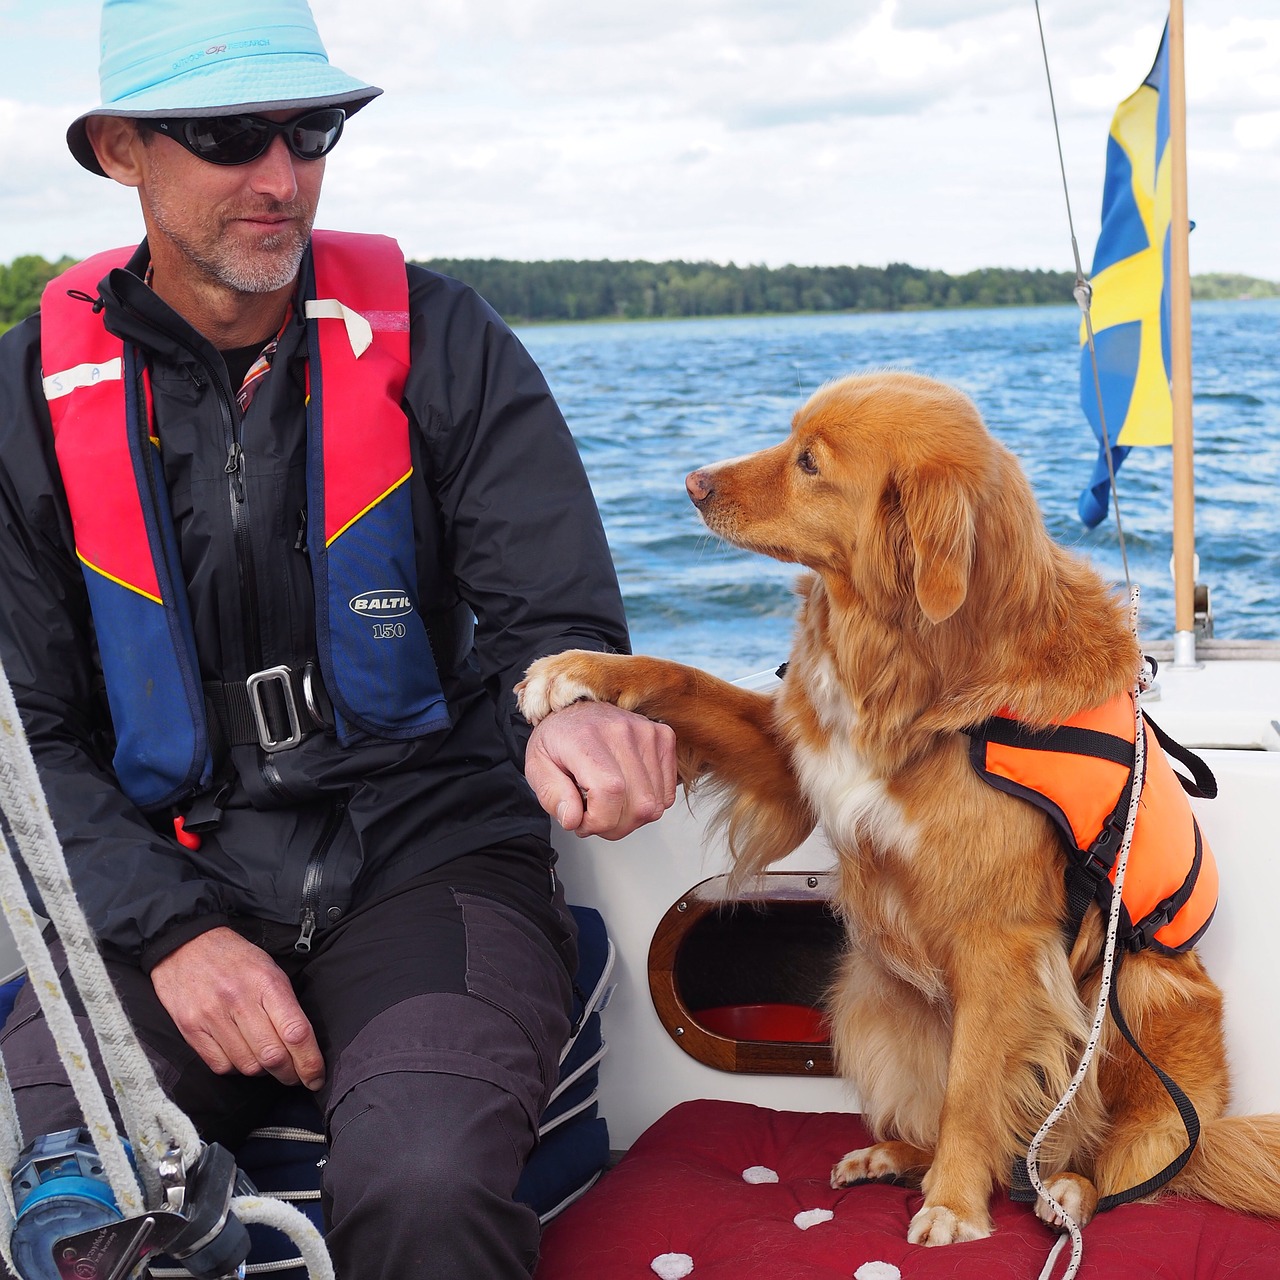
1184 537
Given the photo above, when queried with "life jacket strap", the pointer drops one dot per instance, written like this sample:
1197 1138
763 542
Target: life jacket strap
1202 784
1088 873
274 709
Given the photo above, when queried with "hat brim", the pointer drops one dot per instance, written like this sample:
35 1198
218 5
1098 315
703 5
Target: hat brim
312 85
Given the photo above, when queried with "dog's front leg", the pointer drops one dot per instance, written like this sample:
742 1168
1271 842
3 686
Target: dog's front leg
719 727
975 1128
724 733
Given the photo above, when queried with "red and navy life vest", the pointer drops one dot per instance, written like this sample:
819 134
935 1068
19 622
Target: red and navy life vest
373 648
1080 774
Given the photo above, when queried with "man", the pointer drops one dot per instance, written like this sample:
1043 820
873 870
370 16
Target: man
300 832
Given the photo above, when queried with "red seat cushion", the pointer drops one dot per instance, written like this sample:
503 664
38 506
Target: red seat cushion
680 1190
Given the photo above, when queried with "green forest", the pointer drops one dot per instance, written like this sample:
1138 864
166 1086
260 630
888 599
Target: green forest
524 292
648 290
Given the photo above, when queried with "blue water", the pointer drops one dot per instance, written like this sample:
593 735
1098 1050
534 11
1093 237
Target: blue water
649 402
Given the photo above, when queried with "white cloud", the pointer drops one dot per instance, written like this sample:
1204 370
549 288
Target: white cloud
753 130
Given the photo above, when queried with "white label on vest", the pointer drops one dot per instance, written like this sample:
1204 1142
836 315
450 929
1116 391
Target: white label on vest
381 604
82 375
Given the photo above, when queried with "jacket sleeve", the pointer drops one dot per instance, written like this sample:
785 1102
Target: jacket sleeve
520 529
133 882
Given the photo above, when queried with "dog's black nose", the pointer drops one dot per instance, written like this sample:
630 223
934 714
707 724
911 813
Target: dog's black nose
699 487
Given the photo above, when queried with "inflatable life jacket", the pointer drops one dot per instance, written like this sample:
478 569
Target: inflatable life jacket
373 648
1080 774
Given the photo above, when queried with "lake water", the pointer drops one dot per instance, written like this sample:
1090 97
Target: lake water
649 402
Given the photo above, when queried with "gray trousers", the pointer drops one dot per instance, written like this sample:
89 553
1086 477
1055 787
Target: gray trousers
441 1009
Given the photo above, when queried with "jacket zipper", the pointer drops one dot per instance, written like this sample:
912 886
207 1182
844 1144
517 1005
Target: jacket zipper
313 877
237 499
243 542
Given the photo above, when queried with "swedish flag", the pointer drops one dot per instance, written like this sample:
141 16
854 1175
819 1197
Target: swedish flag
1130 307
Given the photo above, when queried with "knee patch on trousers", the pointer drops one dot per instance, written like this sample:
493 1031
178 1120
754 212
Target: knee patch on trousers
507 1028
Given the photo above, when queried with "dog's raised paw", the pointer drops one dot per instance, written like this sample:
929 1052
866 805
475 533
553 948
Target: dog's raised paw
545 688
1076 1194
936 1224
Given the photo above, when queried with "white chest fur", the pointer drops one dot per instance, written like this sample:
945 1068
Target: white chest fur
853 802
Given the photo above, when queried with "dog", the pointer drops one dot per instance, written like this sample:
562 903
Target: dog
935 598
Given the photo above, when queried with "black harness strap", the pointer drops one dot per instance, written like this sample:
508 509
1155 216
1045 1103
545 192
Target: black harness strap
1202 784
1088 881
1186 1112
1020 1188
1069 739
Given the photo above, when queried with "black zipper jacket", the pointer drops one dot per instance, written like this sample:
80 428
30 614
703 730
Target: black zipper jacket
512 564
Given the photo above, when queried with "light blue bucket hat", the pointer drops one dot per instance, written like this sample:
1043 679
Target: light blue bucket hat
211 57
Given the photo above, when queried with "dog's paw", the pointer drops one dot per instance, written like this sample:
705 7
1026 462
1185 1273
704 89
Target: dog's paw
879 1163
1076 1194
936 1224
551 684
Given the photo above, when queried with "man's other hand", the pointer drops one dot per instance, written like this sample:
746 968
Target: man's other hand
601 771
236 1009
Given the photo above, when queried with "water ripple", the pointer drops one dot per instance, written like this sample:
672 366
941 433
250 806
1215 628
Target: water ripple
649 402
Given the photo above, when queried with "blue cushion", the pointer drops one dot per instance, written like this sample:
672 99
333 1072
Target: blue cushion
8 994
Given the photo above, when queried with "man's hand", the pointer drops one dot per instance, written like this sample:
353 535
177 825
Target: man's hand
601 771
236 1009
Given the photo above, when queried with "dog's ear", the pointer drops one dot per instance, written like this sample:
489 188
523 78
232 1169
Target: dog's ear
940 522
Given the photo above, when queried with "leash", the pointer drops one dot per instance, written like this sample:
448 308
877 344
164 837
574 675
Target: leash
1109 966
169 1158
1027 1183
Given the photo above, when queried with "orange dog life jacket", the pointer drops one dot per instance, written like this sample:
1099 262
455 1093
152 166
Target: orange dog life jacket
1080 773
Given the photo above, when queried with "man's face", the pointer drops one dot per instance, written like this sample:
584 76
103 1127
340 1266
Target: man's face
242 227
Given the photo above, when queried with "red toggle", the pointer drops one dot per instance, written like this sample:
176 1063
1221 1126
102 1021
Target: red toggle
187 839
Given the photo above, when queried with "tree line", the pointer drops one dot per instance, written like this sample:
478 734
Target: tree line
595 290
21 284
605 289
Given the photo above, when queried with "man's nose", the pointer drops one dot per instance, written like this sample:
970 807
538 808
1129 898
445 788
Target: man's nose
274 173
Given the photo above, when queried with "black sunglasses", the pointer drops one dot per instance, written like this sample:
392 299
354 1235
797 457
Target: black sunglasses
240 139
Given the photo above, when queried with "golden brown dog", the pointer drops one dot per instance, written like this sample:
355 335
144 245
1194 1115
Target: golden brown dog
936 599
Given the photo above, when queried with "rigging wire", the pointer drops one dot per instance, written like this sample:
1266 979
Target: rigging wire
1083 293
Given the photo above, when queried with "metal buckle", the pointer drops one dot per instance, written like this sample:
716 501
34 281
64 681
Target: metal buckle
253 684
310 679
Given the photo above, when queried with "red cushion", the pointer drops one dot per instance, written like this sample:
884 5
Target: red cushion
680 1190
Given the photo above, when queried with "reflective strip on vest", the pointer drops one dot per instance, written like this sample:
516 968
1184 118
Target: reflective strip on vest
373 646
1080 790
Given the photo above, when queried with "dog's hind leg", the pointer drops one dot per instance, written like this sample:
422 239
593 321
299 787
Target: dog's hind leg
884 1162
1175 1012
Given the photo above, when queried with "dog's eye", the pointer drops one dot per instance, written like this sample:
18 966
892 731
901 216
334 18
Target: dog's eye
807 464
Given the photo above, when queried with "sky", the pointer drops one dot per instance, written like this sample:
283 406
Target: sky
748 131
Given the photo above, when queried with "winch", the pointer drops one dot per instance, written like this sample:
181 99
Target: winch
69 1227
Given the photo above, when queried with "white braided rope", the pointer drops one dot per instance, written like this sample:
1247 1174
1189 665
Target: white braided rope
1100 1010
295 1224
10 1146
44 981
271 1212
152 1122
